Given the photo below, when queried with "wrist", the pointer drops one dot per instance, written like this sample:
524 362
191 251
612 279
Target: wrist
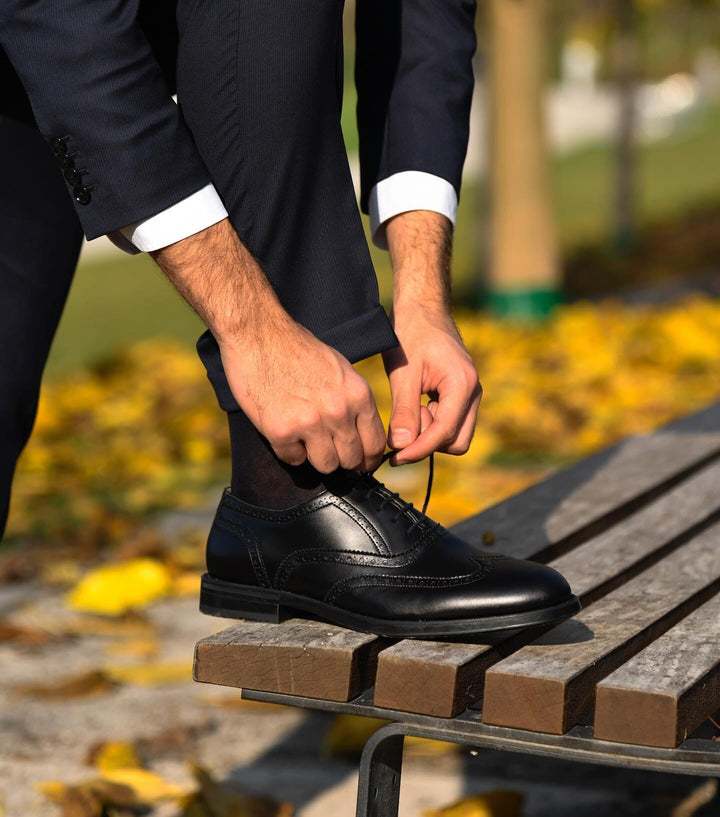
259 320
420 243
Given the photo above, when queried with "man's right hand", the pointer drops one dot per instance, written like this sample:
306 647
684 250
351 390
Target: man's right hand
300 394
305 398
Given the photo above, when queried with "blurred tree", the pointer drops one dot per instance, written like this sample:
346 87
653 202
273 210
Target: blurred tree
524 267
626 61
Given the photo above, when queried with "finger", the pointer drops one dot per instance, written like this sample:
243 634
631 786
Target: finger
426 418
405 389
322 454
462 441
448 417
291 453
349 448
373 439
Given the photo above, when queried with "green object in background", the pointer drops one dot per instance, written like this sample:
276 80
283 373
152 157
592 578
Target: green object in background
524 305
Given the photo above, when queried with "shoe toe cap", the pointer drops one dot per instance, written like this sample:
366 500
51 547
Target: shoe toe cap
516 584
510 586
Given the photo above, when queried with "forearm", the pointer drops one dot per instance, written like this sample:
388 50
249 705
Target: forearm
420 245
302 395
221 280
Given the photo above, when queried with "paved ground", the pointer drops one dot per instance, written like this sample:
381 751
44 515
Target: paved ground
277 752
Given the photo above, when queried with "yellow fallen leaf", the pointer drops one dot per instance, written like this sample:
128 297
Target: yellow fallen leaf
425 747
113 589
496 803
151 673
186 584
348 734
91 798
113 754
148 786
52 789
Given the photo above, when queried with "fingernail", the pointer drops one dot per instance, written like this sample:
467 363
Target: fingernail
400 436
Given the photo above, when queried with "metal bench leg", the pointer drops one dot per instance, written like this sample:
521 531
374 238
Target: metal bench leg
380 770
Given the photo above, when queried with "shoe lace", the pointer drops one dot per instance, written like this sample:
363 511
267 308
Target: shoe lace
386 496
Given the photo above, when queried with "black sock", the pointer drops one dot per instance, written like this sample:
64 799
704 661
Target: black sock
259 477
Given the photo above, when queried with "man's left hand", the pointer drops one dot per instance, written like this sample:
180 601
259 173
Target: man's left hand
433 360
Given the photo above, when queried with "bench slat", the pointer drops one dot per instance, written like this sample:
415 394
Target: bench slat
550 517
296 657
548 685
443 679
666 691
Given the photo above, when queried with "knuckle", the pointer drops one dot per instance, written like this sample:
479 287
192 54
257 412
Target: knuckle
308 419
352 463
327 466
470 376
448 437
278 434
335 408
360 391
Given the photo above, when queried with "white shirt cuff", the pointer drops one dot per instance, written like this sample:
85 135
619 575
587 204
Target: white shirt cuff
405 191
197 212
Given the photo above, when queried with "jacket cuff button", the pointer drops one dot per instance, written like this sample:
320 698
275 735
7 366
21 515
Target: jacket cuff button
72 176
66 159
82 195
58 146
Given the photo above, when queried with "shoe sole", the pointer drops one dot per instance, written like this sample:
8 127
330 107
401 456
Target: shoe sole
229 600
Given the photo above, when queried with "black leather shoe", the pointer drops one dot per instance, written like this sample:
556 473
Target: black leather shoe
360 557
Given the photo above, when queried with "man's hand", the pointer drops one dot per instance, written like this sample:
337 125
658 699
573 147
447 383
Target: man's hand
304 397
432 358
300 394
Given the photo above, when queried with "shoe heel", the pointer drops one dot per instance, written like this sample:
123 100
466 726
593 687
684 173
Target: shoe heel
228 600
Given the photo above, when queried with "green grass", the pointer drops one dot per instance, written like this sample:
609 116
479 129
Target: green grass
115 301
122 299
675 173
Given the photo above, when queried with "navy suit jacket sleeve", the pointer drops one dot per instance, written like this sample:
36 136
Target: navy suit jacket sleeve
414 78
94 83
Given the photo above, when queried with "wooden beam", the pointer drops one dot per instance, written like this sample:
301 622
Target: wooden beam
552 516
666 691
548 685
297 657
443 679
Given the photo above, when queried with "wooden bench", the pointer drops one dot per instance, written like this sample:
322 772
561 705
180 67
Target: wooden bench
631 680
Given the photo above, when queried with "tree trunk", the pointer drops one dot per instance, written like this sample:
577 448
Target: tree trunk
524 266
626 70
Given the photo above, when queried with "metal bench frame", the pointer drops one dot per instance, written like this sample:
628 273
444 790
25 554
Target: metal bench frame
381 762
